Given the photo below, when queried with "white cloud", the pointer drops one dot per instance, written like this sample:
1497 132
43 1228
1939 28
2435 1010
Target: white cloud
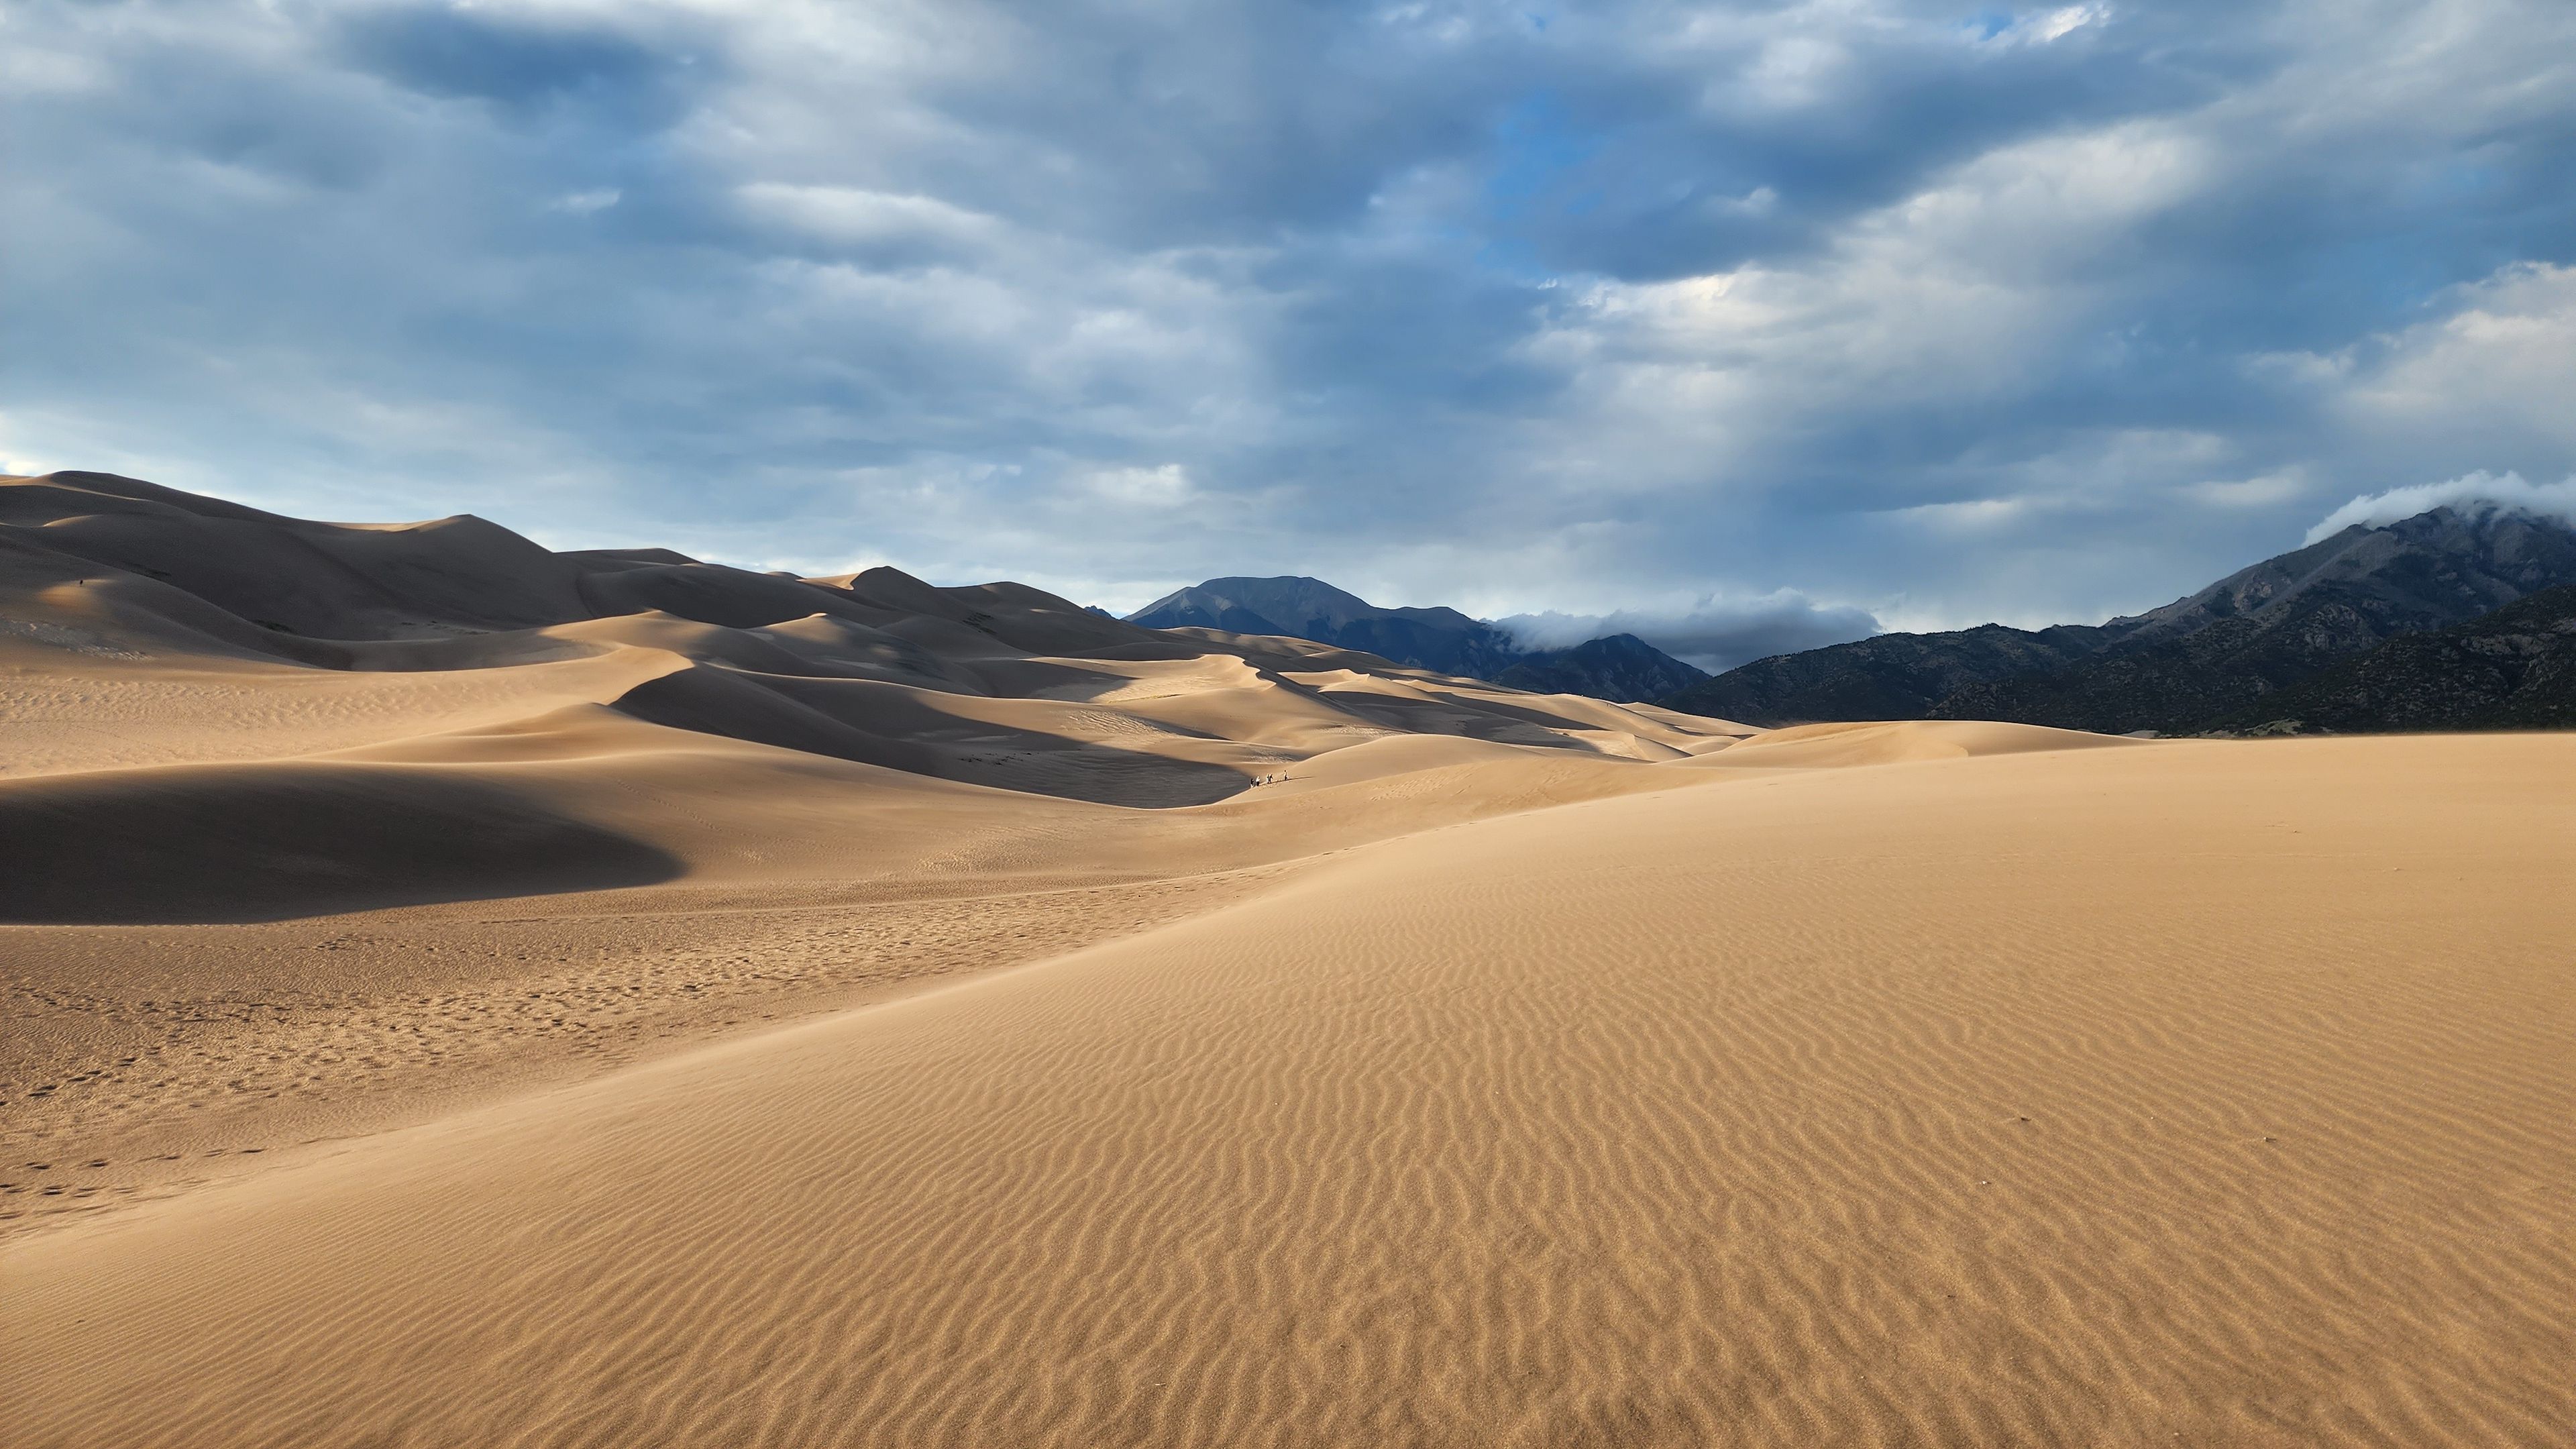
1967 291
1714 632
2500 363
851 214
1163 487
2264 490
2475 494
2047 26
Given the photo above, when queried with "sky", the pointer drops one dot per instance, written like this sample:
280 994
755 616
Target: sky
1748 326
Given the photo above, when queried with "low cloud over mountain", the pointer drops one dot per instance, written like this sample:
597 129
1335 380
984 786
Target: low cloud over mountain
2473 495
1603 664
1715 634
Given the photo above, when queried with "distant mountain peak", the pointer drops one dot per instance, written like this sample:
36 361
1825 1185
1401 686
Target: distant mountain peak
2205 657
1439 639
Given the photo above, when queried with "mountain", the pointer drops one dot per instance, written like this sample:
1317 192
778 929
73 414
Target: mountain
1887 676
2181 667
1621 667
1442 640
2220 651
2511 669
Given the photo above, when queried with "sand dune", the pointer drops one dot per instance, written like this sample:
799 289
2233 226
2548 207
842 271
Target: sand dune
213 715
1896 1105
155 629
469 994
1836 745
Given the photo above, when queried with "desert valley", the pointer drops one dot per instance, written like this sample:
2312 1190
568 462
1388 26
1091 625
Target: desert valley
466 993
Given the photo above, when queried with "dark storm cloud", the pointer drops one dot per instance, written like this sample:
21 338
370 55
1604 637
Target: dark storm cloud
444 51
1914 312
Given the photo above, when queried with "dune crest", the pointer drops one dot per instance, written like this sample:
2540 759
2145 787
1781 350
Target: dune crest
1834 746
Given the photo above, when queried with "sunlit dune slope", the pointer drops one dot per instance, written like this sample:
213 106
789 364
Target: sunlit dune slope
445 710
2150 1094
1894 742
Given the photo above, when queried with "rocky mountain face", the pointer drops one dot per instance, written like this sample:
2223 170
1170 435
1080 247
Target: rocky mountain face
2188 666
1889 676
2434 569
2511 669
1301 608
1622 667
1619 667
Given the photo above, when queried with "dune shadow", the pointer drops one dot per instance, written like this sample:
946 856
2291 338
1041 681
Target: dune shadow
1443 713
1525 714
890 725
1053 679
267 842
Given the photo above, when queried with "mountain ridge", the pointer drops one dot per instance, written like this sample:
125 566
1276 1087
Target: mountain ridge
1441 639
2183 666
2514 668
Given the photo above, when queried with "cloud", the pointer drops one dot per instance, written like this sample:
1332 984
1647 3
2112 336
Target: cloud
2045 26
2489 369
523 62
1713 633
2475 494
1163 487
2052 312
871 221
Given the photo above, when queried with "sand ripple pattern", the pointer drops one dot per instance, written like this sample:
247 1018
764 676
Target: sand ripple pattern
2193 1094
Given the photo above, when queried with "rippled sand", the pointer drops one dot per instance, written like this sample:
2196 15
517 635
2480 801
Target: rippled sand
1885 1090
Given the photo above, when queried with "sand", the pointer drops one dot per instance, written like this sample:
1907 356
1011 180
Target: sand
1475 1068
